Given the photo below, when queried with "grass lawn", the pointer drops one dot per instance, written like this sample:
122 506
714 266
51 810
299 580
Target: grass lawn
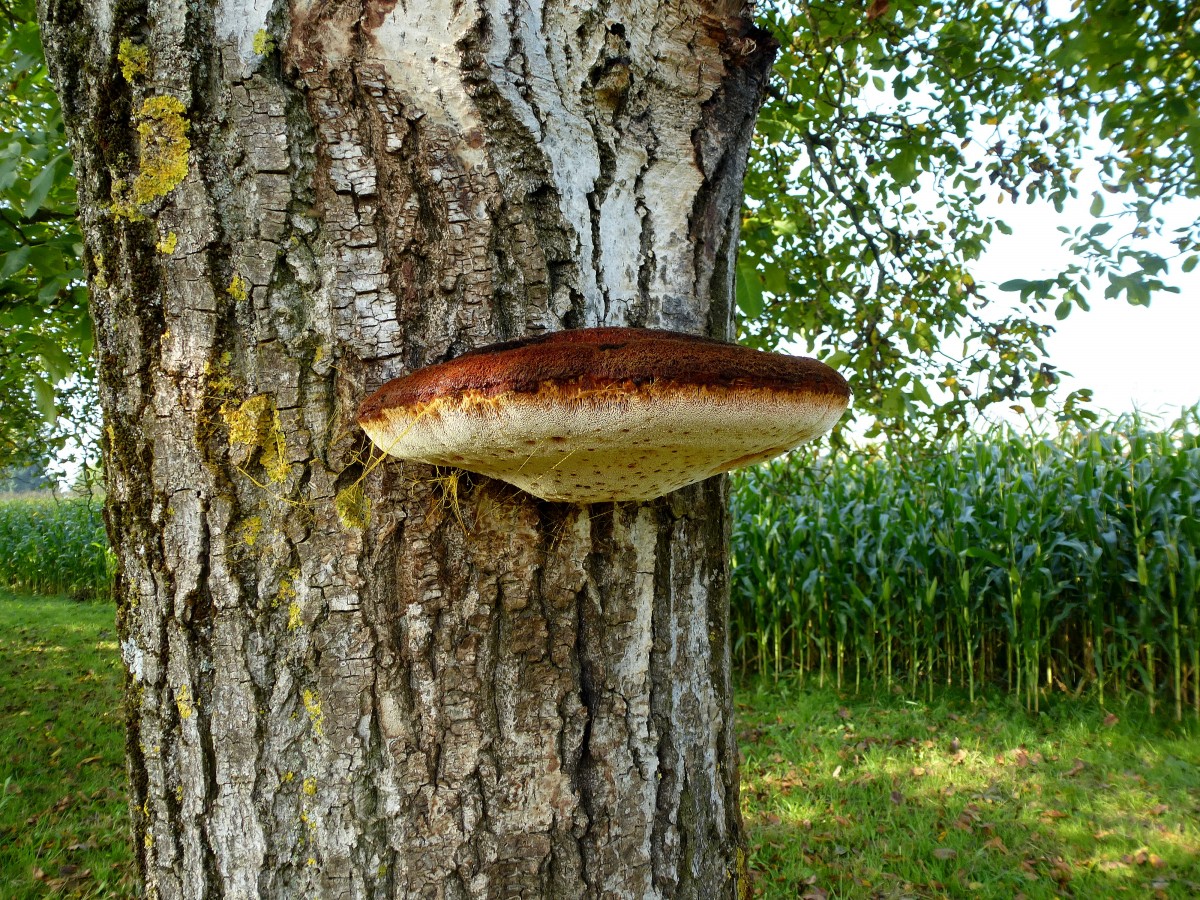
63 816
863 797
844 797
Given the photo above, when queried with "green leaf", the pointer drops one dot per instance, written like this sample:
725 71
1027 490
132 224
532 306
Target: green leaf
40 187
43 393
1190 263
749 290
15 261
1015 284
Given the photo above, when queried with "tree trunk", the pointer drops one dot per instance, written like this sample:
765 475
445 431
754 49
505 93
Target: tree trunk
357 678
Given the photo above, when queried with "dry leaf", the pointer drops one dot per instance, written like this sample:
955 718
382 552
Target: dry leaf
1110 720
944 853
1076 768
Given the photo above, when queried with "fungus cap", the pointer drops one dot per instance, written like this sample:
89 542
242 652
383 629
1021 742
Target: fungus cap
600 414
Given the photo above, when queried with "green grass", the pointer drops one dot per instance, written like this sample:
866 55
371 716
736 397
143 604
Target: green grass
855 797
63 814
844 797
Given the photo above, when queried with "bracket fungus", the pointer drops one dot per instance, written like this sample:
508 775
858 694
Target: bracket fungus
605 414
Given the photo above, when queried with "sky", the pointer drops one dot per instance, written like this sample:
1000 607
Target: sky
1132 357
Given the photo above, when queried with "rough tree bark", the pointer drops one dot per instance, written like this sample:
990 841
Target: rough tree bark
357 680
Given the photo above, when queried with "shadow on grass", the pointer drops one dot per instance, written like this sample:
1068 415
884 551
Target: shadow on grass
857 797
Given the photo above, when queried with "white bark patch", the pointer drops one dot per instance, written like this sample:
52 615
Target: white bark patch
102 20
415 42
548 103
134 657
238 21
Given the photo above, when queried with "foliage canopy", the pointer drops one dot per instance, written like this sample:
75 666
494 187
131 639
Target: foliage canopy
45 331
888 126
892 122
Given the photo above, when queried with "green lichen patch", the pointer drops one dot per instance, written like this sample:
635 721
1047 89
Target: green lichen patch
250 530
287 588
165 145
220 381
264 43
183 702
255 423
353 506
239 288
134 60
163 156
316 718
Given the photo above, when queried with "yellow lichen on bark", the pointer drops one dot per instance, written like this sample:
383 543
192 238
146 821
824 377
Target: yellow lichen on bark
163 156
251 529
165 146
312 705
263 42
183 702
134 60
238 288
353 506
255 422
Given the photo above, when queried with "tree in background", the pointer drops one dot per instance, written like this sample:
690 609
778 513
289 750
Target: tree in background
45 331
889 124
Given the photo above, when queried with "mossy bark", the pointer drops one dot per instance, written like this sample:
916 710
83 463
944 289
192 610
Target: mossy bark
351 679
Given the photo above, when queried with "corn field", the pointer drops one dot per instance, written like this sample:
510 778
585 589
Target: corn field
52 545
1036 564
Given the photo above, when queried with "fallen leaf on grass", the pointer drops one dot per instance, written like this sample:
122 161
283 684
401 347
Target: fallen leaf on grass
1050 814
944 853
1159 810
1142 856
1075 769
996 843
1110 720
897 798
843 713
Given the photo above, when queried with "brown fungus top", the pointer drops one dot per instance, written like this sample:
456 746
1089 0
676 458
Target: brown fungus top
605 413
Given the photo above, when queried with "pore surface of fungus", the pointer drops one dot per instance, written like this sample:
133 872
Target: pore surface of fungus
600 414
